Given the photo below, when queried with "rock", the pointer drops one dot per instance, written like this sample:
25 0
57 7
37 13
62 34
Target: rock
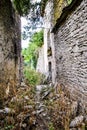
34 112
28 107
40 87
14 99
45 94
74 108
24 125
1 111
37 102
76 122
40 111
51 100
26 97
44 114
57 95
7 110
23 84
41 106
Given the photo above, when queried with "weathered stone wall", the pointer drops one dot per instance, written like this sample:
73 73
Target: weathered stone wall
10 46
71 52
40 63
49 39
47 25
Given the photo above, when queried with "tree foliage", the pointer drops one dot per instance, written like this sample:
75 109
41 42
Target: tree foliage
31 53
30 59
22 6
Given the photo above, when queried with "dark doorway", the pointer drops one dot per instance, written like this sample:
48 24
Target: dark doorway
50 70
50 66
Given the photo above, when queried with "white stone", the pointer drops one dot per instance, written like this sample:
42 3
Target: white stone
77 121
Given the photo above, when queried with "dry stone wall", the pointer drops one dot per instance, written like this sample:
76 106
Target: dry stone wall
71 52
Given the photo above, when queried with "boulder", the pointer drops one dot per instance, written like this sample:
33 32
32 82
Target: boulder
77 121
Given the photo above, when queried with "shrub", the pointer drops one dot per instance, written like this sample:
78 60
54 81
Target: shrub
34 78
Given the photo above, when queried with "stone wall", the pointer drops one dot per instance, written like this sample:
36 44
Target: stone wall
10 46
71 52
49 41
40 63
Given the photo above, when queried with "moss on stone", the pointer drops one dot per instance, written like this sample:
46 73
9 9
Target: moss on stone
58 7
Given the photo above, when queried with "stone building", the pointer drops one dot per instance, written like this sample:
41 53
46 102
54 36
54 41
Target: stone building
65 47
48 41
40 63
46 59
70 40
10 43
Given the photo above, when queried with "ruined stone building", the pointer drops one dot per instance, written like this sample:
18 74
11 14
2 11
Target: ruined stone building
10 46
46 60
65 45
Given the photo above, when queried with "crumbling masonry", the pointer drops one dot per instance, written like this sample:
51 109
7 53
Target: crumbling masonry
10 46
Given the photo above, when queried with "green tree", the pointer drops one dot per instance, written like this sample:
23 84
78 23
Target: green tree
31 53
22 6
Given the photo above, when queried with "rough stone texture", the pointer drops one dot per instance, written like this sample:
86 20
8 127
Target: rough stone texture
71 53
76 122
44 59
10 46
40 62
48 40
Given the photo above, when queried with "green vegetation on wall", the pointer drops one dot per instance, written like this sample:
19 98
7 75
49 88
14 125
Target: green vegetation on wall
69 1
58 7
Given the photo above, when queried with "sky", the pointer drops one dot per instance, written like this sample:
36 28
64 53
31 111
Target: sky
23 23
36 0
24 42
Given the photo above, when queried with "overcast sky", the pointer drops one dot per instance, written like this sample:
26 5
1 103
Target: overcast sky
23 23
